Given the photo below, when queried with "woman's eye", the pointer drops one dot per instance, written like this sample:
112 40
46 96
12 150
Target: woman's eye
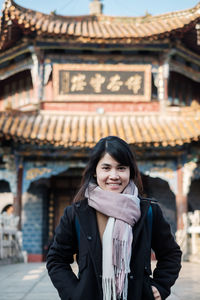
106 168
122 168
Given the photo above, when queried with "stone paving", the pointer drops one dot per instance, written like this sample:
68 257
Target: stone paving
187 286
26 282
31 282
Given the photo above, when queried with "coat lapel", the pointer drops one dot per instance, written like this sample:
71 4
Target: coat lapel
144 206
88 223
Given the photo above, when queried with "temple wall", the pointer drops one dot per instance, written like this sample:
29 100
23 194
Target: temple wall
32 224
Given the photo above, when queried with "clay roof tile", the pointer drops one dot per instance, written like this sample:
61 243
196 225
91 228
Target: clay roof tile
82 131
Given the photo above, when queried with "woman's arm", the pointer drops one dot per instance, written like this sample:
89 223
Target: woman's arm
167 252
60 256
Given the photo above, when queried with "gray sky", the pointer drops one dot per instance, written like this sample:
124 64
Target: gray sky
111 7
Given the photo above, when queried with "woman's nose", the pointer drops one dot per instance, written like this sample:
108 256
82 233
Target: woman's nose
114 174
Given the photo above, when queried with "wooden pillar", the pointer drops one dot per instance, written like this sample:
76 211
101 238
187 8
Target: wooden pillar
181 199
18 196
166 89
166 78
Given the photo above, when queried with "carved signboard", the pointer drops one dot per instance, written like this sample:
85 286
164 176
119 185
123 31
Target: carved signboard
81 82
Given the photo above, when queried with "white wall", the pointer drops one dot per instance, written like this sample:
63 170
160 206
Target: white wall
5 199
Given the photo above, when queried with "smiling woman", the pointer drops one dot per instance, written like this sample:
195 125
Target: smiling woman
108 229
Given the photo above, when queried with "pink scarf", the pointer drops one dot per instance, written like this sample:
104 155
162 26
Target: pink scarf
123 210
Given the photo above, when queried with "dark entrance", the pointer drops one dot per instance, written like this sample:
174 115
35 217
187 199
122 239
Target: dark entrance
193 196
159 189
63 188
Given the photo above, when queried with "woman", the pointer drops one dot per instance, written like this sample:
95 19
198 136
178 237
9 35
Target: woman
110 230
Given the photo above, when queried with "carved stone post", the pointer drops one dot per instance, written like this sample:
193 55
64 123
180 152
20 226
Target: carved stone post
184 175
181 199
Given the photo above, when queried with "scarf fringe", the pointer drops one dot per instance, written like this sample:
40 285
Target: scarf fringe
121 262
125 289
109 289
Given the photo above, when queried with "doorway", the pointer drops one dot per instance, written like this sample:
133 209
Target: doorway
63 189
159 189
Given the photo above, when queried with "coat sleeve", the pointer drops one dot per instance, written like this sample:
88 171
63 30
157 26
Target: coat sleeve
167 252
60 256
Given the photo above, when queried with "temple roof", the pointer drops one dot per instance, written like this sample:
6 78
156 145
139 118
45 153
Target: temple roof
18 21
83 131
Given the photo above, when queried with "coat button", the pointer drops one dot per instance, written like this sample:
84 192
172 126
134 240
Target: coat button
89 238
131 277
78 204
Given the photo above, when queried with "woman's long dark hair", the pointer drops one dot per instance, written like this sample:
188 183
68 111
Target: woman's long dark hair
120 151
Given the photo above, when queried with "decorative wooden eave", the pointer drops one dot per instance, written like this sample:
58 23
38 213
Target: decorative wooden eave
82 131
17 21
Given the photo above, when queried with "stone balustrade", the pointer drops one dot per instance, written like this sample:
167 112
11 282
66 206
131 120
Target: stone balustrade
189 237
10 237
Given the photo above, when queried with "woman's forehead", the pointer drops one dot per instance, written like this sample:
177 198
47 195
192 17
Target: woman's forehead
108 160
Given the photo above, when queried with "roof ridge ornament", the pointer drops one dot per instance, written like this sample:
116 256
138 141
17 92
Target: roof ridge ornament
7 4
96 7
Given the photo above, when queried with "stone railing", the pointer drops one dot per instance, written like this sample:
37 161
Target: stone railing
189 237
10 238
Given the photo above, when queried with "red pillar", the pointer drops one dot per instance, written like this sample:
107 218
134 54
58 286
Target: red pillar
166 88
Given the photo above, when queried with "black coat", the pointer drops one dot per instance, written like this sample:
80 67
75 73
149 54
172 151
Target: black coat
88 286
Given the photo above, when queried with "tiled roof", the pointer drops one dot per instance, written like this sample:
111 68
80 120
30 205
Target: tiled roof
85 130
93 28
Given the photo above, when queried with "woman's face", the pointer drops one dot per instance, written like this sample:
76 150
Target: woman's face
111 175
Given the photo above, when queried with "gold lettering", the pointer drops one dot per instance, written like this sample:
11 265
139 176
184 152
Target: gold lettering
78 82
134 83
115 83
64 83
96 82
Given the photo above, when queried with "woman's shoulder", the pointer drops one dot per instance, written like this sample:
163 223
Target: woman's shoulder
146 200
151 202
74 205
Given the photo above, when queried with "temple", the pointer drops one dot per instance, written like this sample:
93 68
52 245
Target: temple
67 81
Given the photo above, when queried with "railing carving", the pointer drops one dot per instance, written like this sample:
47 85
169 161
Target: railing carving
10 237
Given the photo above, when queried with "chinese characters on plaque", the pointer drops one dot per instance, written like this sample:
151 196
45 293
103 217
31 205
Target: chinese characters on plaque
82 82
